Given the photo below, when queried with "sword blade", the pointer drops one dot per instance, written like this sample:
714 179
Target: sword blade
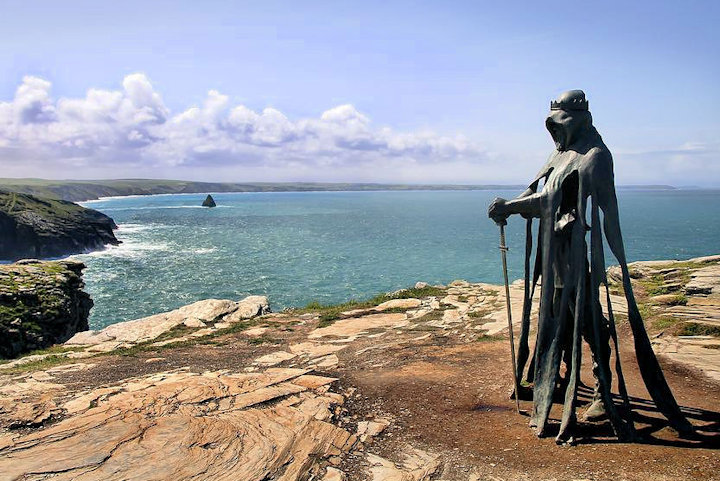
503 252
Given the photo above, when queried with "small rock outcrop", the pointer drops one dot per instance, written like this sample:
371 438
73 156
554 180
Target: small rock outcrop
41 304
34 227
209 201
198 314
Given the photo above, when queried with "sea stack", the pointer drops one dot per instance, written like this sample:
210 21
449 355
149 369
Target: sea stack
209 201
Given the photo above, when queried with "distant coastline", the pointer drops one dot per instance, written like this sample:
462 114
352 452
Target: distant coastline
87 190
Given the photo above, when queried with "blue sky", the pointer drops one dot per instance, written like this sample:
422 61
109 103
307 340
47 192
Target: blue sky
353 91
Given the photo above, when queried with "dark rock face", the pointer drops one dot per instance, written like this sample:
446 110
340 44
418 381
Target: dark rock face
34 227
41 303
209 201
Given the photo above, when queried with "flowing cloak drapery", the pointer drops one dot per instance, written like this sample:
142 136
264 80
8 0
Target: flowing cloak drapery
575 180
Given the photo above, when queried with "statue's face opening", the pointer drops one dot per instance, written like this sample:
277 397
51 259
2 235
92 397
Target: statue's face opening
566 126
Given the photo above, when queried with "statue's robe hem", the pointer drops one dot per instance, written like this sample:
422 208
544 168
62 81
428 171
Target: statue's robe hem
560 337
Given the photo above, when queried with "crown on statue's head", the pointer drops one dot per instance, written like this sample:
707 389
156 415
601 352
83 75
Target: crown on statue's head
570 100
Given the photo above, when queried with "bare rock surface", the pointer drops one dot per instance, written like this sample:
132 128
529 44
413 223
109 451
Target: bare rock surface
357 325
181 425
192 315
414 465
685 302
413 391
404 304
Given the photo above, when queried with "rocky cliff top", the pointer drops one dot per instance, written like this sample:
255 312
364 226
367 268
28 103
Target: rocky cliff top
409 386
41 304
37 227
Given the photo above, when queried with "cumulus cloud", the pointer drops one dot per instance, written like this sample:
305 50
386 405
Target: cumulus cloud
132 126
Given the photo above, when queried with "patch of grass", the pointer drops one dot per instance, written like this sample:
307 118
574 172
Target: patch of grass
54 350
327 320
678 300
58 349
684 265
329 313
664 323
462 298
177 331
644 309
654 285
40 364
616 288
712 346
418 292
477 314
697 329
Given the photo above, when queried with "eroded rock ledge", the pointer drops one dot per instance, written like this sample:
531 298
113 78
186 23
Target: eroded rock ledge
181 425
41 304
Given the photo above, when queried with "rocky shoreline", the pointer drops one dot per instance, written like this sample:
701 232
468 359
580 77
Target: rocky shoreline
411 385
35 227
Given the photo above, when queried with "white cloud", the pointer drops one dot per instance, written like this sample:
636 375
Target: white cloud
116 129
696 163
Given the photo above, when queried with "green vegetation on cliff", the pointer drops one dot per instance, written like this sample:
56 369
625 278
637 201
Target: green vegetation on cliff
34 227
41 303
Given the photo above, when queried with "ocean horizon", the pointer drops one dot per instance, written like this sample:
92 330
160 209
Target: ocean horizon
330 247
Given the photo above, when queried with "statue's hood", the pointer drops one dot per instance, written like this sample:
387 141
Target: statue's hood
566 127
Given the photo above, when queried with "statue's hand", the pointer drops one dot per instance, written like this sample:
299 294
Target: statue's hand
498 211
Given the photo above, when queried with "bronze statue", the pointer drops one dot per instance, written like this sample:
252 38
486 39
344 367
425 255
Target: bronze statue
567 196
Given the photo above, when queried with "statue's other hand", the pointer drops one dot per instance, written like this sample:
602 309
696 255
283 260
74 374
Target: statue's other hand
497 210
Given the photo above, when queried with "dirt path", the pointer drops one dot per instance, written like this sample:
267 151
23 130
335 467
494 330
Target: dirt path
454 400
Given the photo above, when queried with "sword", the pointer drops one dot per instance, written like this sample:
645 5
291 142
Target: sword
503 251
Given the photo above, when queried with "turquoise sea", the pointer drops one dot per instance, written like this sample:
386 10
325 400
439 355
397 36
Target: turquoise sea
335 246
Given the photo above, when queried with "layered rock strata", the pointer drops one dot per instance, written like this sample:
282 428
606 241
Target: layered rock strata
41 304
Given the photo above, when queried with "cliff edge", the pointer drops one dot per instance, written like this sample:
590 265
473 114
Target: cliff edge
34 227
41 304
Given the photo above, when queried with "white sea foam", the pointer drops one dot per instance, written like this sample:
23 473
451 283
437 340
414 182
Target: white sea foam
113 197
128 249
133 228
203 250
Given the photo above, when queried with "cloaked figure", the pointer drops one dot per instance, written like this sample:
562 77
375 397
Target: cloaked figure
567 197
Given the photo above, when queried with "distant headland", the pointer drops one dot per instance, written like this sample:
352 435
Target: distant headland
37 227
83 190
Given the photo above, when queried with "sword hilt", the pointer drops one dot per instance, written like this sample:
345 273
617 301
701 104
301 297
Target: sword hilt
503 244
